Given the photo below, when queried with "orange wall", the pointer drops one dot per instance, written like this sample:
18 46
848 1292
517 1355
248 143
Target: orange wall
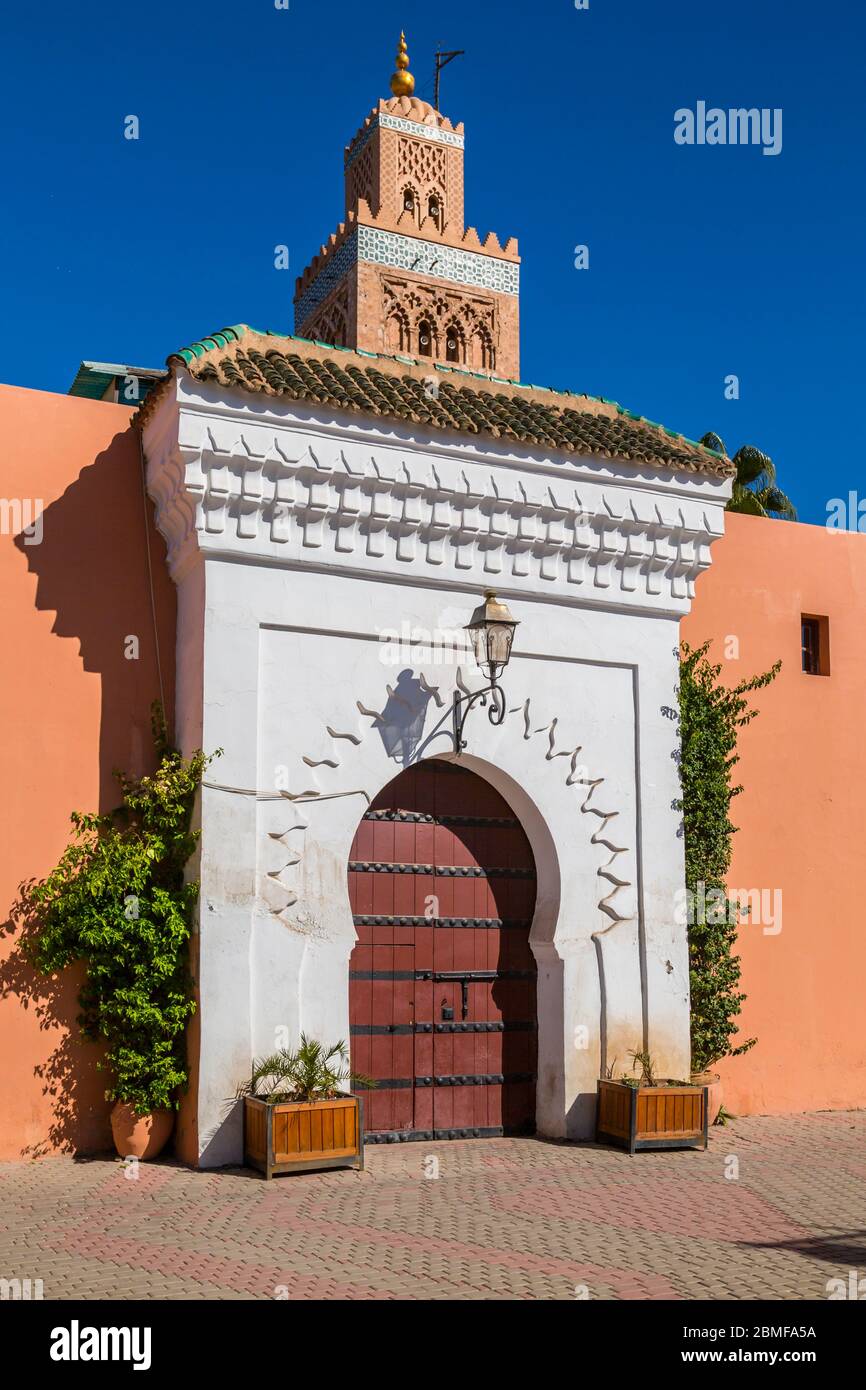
802 815
72 707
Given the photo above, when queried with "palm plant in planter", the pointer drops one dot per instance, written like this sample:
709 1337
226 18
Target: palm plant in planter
298 1116
644 1112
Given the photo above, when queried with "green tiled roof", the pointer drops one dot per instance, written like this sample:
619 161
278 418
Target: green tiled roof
94 378
434 396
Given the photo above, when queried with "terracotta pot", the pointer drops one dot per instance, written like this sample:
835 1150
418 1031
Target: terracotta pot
713 1082
140 1136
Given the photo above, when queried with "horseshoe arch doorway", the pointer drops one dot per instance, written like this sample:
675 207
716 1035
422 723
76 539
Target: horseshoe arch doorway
442 980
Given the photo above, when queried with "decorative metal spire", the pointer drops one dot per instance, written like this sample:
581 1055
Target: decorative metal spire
402 82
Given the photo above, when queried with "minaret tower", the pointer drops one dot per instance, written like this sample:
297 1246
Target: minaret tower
403 274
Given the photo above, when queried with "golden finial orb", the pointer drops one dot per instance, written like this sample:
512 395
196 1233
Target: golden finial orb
402 82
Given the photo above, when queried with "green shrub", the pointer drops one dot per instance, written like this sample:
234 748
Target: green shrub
117 901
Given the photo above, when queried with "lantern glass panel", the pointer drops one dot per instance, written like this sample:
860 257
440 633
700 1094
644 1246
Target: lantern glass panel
479 642
492 645
499 639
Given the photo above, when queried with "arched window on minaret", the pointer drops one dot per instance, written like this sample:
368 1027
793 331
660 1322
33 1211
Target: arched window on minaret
454 344
397 332
483 356
434 211
410 204
425 338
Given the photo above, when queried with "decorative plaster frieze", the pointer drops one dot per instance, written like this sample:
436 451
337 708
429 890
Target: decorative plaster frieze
253 490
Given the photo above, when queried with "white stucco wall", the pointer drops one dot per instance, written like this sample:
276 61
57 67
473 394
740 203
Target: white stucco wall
299 537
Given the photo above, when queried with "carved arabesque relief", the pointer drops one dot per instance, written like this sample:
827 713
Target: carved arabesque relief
421 186
423 163
360 182
463 327
331 323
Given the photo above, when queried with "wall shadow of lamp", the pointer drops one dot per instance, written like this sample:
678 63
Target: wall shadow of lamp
401 722
491 632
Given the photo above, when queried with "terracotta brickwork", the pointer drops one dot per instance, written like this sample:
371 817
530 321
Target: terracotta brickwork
362 179
384 161
330 323
404 182
395 310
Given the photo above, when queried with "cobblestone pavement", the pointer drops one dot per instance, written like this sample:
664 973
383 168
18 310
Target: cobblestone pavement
504 1219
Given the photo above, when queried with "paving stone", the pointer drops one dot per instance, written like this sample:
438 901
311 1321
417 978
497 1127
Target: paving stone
506 1219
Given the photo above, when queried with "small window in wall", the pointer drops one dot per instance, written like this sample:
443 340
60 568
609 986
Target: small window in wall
425 339
815 645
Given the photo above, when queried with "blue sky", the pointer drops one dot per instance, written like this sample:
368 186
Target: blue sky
704 261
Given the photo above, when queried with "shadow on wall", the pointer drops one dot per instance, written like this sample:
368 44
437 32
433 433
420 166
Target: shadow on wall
68 1079
580 1119
92 573
401 722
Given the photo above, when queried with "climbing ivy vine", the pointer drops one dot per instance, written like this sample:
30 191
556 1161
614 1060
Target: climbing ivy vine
711 716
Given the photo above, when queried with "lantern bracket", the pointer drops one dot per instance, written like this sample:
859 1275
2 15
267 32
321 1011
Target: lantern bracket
462 704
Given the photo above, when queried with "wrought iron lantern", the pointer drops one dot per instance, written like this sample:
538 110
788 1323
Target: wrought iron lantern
491 631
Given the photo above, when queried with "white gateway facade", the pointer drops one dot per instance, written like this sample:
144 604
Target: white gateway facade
332 520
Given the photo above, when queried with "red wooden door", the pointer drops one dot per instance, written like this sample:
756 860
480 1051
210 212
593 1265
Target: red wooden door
442 982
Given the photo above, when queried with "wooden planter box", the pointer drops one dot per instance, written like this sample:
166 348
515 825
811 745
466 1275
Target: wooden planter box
302 1136
651 1117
